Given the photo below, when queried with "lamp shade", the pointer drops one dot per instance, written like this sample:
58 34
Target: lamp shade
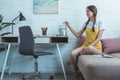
21 17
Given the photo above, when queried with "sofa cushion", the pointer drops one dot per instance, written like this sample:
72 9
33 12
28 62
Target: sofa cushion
117 55
111 45
94 68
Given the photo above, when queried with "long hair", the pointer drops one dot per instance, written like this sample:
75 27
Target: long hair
94 10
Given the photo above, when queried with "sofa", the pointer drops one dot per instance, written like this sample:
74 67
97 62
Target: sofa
100 68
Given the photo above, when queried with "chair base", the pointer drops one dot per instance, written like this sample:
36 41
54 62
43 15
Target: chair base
32 76
35 75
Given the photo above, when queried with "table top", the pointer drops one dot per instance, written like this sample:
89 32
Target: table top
37 36
15 39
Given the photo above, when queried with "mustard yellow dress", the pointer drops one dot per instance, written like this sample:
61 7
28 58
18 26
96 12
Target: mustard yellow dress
91 37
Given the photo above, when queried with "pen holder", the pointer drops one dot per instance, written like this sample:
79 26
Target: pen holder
44 31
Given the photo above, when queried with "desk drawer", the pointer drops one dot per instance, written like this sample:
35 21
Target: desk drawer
42 40
9 39
59 40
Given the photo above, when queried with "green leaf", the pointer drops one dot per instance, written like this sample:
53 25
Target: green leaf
5 33
6 24
0 27
1 19
0 16
3 25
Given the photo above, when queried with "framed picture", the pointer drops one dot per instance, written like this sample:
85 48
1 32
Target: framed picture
45 6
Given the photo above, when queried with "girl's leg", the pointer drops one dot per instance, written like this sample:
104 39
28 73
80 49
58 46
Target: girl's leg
93 50
74 56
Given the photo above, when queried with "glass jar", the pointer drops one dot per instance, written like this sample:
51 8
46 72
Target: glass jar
62 30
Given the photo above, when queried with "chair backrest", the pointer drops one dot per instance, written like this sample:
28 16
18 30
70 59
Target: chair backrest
26 46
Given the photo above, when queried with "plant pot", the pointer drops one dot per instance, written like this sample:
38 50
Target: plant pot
2 47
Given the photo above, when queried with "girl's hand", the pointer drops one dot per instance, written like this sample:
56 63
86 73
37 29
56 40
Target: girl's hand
86 50
90 46
67 23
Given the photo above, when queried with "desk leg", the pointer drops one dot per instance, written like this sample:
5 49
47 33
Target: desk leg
5 61
65 77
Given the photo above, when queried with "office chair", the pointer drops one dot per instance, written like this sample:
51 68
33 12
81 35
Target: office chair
26 48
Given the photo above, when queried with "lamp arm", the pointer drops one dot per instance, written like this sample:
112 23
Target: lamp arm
13 21
15 18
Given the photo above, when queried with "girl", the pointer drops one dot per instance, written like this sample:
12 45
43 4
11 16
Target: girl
93 30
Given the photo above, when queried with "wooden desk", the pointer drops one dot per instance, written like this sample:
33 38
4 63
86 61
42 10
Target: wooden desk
57 40
51 40
7 40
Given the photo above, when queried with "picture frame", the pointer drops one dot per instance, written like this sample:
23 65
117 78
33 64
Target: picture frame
45 6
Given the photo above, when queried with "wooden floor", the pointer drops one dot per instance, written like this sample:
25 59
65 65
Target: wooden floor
70 76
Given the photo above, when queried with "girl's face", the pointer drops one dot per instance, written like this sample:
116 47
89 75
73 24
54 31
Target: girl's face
89 13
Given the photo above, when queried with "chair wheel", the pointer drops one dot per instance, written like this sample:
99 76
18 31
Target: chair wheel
23 78
39 73
51 77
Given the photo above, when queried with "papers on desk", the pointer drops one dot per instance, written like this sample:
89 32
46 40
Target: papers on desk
103 56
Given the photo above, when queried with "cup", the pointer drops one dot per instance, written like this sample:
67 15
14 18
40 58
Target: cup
44 31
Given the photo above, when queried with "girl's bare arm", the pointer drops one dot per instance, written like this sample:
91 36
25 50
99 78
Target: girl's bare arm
77 34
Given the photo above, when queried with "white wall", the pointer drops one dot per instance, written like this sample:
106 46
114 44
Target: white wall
70 10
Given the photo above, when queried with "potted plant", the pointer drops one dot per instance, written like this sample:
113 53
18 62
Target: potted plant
2 26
